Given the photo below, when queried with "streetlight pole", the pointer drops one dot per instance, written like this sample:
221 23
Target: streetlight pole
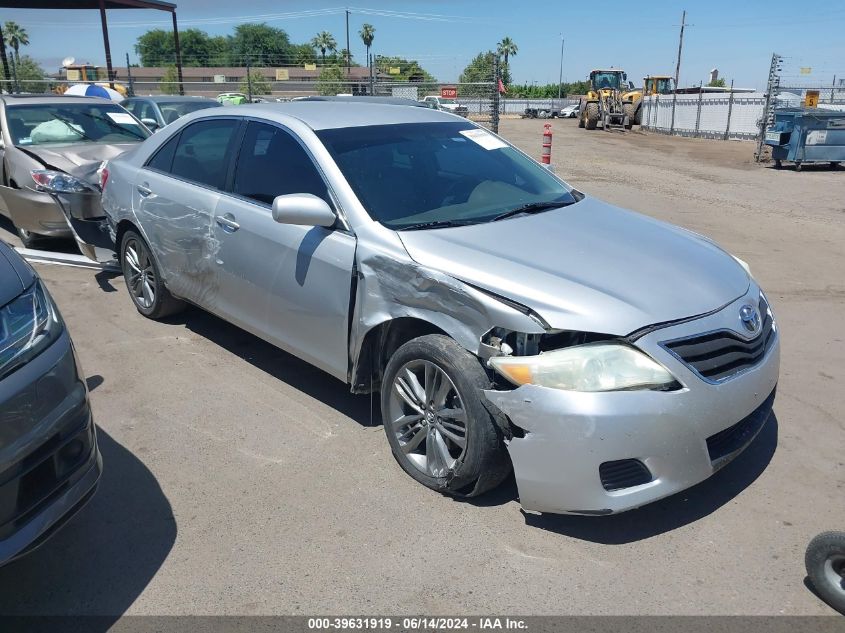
560 77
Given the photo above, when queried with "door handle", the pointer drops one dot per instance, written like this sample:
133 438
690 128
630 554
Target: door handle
227 223
143 190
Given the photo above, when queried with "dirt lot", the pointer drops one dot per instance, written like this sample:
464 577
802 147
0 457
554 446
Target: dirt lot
238 480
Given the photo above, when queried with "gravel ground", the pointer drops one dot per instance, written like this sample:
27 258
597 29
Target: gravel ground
239 480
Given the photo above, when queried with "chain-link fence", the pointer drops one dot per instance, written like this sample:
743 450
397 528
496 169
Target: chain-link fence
730 115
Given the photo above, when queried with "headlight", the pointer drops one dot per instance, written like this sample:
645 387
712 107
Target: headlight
58 182
28 325
591 367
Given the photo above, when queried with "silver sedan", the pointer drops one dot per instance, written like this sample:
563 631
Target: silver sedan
507 319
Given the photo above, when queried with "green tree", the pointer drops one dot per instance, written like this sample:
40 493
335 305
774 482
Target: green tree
719 83
330 81
261 44
507 48
324 41
169 81
368 34
409 69
29 75
480 70
304 54
156 48
17 36
258 84
219 51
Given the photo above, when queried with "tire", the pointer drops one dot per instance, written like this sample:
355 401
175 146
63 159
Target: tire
581 121
143 279
592 116
638 116
630 111
825 563
482 462
28 238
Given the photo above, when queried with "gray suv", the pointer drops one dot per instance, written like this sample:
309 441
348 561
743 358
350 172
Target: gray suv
49 462
505 317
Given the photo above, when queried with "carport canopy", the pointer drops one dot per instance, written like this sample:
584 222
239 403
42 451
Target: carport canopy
101 5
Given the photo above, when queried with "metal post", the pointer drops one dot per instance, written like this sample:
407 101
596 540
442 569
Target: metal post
494 119
248 82
698 113
5 60
560 76
131 89
832 88
105 26
348 51
730 109
178 54
771 87
678 70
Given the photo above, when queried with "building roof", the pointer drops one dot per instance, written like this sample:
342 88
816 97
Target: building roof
192 72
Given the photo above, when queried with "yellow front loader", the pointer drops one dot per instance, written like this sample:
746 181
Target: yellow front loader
610 102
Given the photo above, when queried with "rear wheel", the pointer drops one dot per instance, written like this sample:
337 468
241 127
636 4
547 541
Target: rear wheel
28 238
825 562
436 423
143 280
630 111
592 116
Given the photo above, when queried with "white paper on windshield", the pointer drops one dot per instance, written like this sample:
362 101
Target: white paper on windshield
484 138
123 118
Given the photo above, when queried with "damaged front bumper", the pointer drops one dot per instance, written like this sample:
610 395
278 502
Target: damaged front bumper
577 445
35 211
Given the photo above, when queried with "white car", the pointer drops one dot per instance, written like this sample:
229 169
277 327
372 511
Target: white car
570 112
447 105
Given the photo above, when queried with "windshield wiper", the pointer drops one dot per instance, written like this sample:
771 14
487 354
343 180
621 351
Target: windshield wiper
71 127
434 224
531 207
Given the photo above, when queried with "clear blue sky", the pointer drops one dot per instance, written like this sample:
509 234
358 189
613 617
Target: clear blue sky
734 36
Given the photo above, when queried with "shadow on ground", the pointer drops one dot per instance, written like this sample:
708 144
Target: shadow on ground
101 561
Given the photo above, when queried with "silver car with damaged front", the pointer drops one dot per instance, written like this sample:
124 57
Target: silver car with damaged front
505 317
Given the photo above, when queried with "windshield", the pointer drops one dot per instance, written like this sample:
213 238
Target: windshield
95 122
172 110
418 173
448 102
605 80
664 86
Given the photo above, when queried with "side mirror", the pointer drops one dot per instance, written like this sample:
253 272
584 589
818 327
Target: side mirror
150 123
303 208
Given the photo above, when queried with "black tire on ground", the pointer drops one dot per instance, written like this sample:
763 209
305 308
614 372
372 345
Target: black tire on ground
630 111
28 238
163 304
592 116
484 462
798 166
581 120
638 116
778 163
825 563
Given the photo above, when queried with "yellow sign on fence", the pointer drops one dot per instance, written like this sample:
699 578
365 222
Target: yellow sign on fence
811 98
310 66
395 70
806 70
282 74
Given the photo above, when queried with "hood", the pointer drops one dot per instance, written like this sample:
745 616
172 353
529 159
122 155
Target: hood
15 275
81 160
590 266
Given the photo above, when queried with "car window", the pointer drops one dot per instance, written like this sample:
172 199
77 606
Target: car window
162 160
91 121
202 152
272 163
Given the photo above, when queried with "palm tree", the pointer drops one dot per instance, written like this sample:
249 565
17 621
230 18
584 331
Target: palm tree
325 42
368 34
506 48
17 37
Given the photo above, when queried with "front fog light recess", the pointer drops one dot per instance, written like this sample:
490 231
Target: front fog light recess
592 367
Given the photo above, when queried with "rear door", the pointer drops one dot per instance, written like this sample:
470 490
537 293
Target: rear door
174 198
288 284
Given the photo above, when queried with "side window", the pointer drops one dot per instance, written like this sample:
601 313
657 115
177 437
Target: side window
272 163
203 150
132 106
162 160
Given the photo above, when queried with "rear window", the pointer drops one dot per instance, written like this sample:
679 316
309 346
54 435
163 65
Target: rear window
72 123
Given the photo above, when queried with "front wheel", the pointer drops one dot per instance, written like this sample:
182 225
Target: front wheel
592 116
825 562
143 279
437 426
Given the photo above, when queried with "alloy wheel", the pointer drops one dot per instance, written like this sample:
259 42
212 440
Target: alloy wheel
428 418
834 571
140 274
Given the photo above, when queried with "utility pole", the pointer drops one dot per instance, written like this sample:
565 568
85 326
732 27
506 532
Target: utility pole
560 77
129 77
248 82
348 51
832 88
678 70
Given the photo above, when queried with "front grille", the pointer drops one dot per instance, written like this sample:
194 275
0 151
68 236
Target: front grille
717 356
624 473
725 443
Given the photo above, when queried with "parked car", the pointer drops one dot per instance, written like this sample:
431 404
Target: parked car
232 98
157 111
447 105
49 459
50 150
570 111
503 315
